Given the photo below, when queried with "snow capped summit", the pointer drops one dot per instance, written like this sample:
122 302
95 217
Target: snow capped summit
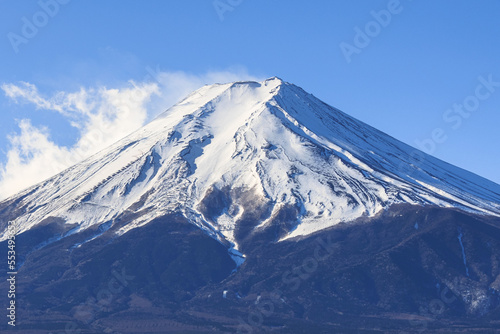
228 150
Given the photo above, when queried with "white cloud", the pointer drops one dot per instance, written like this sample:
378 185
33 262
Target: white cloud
28 92
102 116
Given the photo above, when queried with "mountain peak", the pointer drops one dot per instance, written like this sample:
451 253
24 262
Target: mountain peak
231 150
275 78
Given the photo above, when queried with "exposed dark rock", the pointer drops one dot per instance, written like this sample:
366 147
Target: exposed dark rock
382 274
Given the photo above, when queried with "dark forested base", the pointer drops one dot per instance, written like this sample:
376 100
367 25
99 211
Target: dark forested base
402 271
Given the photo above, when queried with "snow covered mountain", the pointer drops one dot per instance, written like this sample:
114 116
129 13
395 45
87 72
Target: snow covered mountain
250 145
253 207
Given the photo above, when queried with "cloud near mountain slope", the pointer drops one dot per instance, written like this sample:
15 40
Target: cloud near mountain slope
101 115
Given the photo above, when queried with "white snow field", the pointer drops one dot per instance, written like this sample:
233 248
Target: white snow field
269 137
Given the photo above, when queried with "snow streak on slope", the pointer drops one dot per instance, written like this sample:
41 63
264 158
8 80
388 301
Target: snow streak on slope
270 139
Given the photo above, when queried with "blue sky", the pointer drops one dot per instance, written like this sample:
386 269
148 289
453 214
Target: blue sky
409 68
